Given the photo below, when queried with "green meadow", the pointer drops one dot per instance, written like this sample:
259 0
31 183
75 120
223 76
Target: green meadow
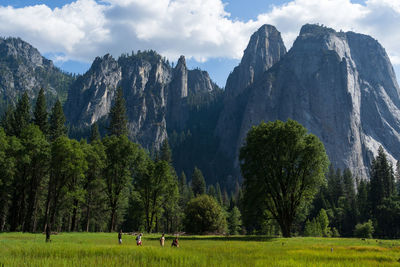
102 249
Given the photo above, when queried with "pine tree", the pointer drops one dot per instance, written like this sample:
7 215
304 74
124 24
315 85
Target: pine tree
211 191
57 122
182 182
198 182
118 121
381 181
40 115
22 116
7 120
165 152
219 193
234 221
94 132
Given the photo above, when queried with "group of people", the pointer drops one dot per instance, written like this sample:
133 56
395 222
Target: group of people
175 242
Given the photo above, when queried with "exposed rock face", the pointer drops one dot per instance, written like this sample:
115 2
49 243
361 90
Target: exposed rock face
263 51
340 86
155 94
22 68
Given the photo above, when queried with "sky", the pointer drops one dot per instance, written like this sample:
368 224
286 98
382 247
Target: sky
212 34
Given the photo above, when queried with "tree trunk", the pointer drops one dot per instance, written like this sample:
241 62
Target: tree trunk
47 211
31 208
14 212
87 218
74 212
34 226
286 227
112 219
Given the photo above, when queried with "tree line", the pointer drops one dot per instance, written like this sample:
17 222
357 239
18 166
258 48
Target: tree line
49 182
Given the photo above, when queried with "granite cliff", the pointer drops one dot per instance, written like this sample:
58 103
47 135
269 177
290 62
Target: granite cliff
340 86
156 94
23 68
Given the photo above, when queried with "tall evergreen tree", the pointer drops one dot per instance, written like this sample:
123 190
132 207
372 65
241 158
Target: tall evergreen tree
211 191
165 152
40 115
94 132
118 121
57 122
198 182
219 193
22 115
381 181
7 120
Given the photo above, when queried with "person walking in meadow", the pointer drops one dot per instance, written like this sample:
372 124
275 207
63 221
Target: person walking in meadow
120 237
139 240
175 243
162 240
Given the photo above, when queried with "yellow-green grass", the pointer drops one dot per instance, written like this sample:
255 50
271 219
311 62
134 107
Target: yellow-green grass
102 249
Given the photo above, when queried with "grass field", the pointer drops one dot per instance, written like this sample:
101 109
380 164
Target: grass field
102 249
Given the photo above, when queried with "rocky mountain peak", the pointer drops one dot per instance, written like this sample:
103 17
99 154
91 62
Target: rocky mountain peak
181 64
341 87
180 79
19 49
264 49
23 68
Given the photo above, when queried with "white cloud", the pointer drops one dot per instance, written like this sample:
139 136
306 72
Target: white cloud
200 29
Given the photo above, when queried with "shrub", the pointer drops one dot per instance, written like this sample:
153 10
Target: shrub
364 230
204 215
234 221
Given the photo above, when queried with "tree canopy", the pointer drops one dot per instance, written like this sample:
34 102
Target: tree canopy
283 167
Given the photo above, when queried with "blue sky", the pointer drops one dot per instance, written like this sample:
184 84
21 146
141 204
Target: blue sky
73 32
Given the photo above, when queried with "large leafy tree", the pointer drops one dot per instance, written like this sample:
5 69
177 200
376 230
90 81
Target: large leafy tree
7 171
36 151
68 165
121 155
283 166
151 181
94 185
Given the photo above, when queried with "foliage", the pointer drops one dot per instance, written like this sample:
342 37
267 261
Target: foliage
121 155
57 122
204 215
40 116
234 221
118 121
22 116
283 167
364 230
198 183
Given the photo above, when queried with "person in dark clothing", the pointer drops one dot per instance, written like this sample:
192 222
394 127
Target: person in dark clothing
120 237
175 243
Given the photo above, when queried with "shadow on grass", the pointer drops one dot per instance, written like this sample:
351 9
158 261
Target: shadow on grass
219 238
